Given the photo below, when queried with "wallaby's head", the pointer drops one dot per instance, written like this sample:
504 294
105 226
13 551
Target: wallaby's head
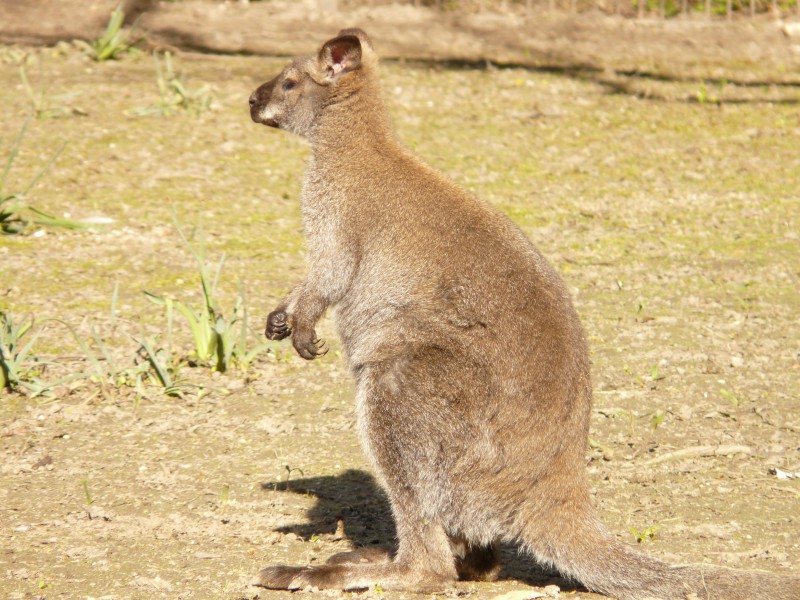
295 98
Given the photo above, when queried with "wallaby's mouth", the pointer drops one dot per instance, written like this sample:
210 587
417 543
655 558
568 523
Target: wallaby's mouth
257 111
255 114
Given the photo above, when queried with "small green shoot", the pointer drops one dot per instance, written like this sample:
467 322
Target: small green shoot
289 471
225 494
657 418
620 412
86 493
114 298
18 368
608 453
705 96
655 375
737 401
645 535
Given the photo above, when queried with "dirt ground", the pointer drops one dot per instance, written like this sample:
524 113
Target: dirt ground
671 206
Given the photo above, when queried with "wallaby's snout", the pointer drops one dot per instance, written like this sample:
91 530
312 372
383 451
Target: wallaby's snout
259 103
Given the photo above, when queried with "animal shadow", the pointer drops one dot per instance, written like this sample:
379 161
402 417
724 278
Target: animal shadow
356 499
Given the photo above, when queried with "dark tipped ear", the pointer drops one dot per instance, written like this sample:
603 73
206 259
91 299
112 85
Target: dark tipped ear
359 33
340 55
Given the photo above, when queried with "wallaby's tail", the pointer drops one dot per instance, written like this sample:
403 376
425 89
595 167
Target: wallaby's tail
587 552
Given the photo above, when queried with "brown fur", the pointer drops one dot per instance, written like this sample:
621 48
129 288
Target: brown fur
472 372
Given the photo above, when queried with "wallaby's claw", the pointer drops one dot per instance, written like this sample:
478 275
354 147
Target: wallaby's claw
278 325
312 350
309 346
322 349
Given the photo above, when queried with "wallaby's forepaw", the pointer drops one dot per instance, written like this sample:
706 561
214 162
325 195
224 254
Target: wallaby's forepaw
307 344
278 325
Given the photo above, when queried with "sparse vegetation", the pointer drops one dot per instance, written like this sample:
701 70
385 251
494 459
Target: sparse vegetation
657 419
15 213
736 400
174 94
166 368
87 495
43 105
219 341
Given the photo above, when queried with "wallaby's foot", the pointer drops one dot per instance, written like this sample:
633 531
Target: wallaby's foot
425 565
307 344
278 325
388 576
360 556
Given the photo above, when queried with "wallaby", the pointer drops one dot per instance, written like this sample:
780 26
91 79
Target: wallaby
473 392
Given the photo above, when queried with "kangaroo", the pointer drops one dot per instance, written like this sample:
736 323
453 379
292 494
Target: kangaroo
473 389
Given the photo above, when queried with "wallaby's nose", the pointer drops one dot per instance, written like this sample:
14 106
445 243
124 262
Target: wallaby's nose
252 100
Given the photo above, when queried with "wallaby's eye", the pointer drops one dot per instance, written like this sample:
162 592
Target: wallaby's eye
288 85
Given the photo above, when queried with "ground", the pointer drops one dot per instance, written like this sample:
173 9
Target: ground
669 205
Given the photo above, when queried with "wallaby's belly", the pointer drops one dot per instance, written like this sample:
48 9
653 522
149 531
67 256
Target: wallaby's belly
516 320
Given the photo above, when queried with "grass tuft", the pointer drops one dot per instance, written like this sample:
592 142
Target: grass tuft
115 41
219 341
174 94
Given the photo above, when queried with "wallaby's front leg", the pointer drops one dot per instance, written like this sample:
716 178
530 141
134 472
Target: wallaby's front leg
333 254
296 315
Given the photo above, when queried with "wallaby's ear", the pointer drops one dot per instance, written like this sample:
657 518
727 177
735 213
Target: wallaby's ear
340 55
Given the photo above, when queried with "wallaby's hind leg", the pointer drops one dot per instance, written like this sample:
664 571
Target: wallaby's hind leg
424 563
